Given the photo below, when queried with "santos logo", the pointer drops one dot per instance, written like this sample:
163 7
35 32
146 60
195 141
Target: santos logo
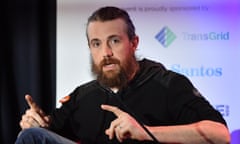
198 71
206 36
165 36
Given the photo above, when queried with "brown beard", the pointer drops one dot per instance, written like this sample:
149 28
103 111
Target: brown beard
116 79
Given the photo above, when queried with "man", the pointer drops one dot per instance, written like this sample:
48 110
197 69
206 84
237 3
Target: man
131 101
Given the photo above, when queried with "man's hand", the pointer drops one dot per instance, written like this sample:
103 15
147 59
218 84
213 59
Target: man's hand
34 116
124 126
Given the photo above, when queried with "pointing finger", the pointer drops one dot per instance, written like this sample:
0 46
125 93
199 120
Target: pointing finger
112 109
37 112
30 102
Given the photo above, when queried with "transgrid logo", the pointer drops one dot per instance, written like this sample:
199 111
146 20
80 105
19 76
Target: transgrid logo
165 36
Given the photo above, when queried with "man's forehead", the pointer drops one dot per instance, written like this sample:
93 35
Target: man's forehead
99 29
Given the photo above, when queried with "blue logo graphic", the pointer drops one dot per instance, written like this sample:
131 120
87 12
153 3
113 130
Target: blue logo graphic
165 36
223 109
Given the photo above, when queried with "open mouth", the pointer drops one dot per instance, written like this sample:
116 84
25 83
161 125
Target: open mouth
108 67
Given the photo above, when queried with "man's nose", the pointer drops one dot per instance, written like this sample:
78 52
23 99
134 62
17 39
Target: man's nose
107 51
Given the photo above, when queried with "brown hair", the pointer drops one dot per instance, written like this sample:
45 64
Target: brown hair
111 13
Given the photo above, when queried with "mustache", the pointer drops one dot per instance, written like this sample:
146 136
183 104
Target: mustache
107 61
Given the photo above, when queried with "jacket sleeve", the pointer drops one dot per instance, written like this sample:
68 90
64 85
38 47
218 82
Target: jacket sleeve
187 105
61 116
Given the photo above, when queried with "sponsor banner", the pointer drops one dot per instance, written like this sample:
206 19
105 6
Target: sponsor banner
199 39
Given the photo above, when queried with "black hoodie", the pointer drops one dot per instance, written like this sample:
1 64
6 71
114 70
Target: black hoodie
155 97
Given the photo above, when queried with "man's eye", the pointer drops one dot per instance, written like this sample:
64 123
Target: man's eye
114 41
95 44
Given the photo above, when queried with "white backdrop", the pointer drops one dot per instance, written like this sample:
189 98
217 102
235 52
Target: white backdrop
201 40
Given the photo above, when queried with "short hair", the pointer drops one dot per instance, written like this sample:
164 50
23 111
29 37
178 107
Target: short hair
110 13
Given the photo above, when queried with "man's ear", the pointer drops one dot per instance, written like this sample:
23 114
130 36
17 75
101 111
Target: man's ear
135 42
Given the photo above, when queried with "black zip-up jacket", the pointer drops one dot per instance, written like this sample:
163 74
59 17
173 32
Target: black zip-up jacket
155 97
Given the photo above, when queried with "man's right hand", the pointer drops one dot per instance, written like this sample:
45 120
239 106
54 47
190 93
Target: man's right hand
34 116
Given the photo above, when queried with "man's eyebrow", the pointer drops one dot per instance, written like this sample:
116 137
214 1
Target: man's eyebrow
95 39
113 36
109 37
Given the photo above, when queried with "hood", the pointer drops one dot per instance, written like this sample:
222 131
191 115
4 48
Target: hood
148 69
